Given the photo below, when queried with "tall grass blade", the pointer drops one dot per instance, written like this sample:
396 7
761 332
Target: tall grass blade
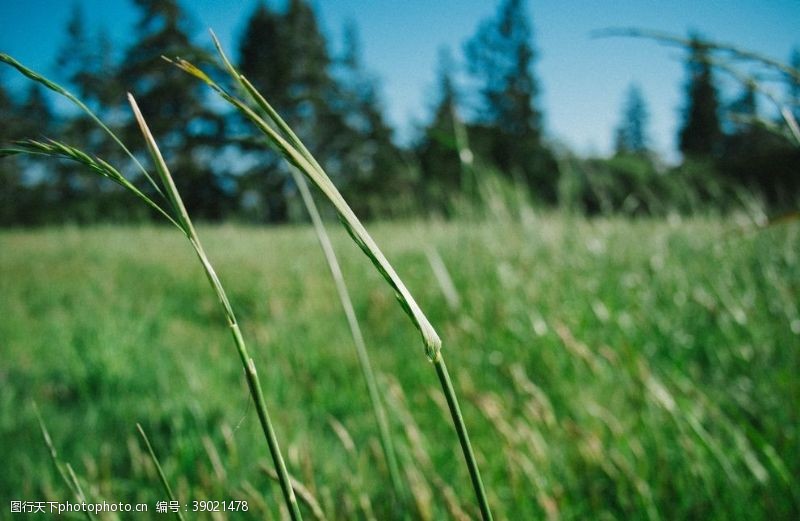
253 381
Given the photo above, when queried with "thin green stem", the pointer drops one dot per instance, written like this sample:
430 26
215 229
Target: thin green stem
463 437
159 470
254 384
358 338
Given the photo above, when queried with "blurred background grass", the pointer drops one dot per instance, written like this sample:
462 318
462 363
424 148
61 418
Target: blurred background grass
608 368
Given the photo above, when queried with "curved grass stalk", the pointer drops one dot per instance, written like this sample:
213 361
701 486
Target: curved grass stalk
671 39
53 148
281 136
731 50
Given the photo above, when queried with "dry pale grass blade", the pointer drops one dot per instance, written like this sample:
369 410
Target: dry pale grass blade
216 461
443 278
302 492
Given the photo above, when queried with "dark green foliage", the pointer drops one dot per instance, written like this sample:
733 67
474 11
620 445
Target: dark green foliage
700 134
28 195
758 158
508 131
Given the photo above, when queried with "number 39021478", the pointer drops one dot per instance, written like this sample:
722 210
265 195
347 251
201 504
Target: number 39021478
219 506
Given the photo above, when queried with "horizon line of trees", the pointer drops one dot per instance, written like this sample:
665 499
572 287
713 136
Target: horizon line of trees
333 102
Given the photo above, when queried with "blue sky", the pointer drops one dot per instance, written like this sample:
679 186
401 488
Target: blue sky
583 80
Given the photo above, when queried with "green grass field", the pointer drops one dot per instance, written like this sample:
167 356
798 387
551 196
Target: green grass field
608 369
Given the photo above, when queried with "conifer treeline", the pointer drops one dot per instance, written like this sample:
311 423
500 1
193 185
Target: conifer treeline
334 104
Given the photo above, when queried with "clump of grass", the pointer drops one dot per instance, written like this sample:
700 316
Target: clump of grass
177 216
281 137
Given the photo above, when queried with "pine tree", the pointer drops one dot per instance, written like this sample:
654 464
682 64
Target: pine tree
700 134
285 56
631 135
438 149
73 61
86 65
173 104
264 58
371 167
500 57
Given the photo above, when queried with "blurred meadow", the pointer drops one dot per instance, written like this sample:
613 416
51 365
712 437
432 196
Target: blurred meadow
621 328
609 368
